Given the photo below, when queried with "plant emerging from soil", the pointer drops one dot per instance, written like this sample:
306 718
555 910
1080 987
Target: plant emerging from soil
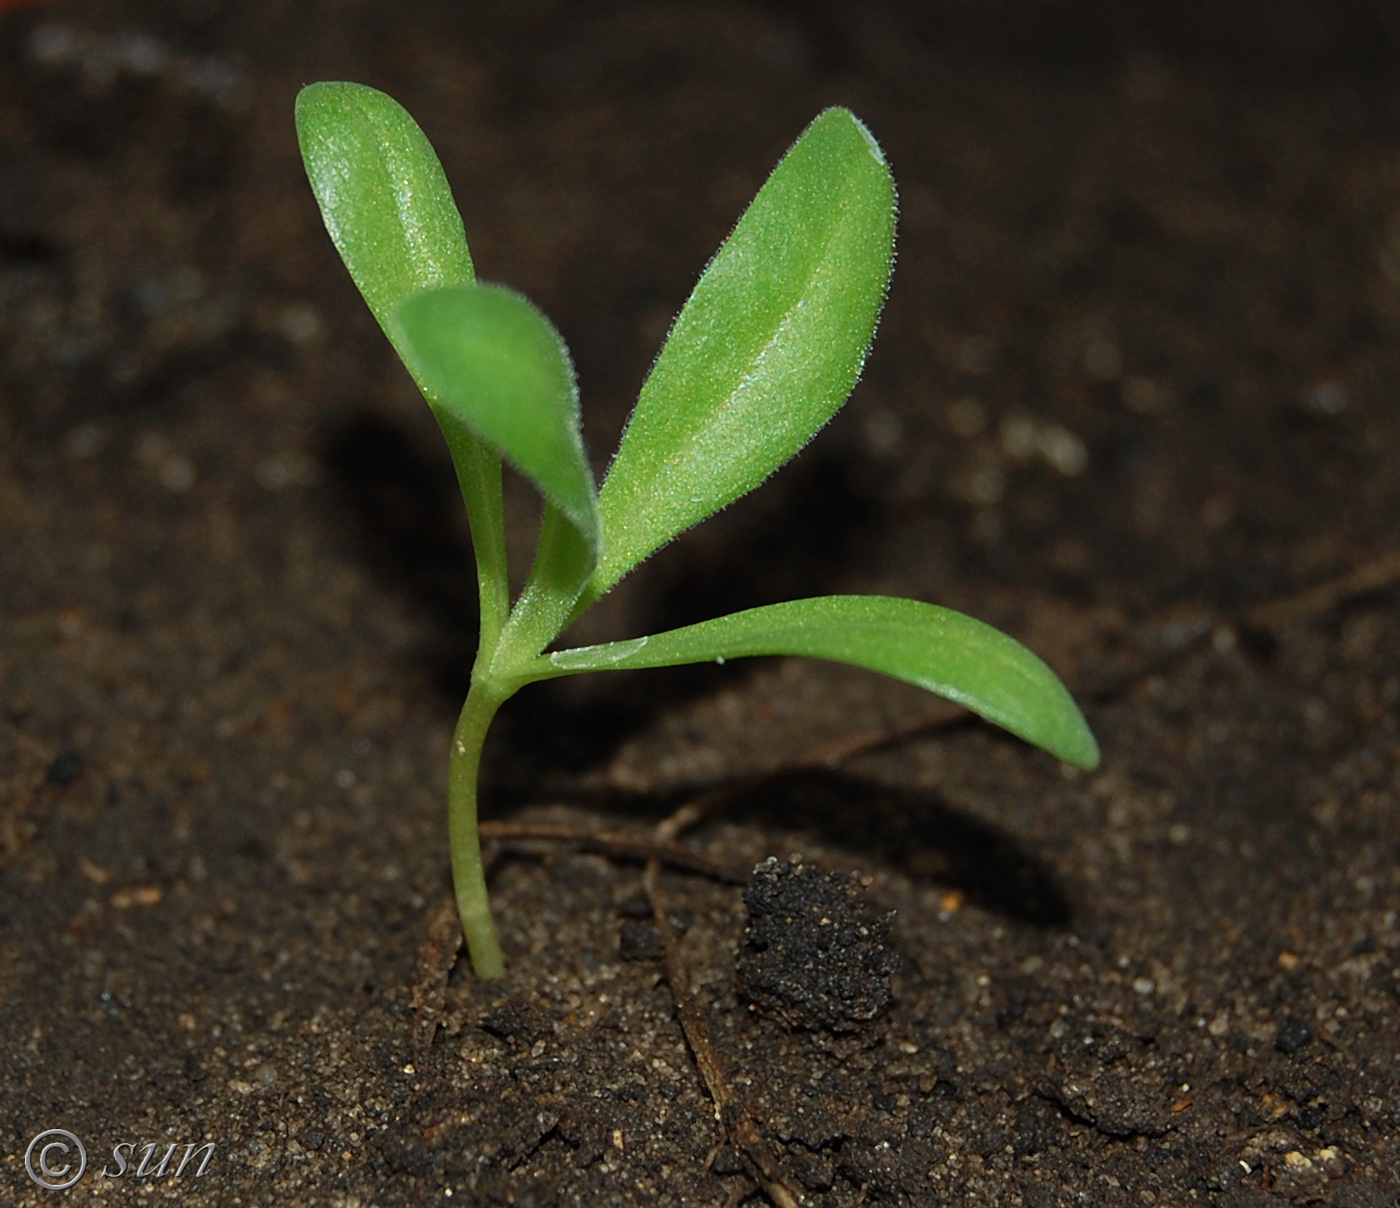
764 352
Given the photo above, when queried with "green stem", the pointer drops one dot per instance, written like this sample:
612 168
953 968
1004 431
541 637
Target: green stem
479 476
464 838
504 663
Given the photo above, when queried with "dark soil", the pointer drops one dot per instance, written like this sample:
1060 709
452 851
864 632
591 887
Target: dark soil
1133 398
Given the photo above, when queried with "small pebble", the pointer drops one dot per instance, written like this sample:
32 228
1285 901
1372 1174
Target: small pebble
1293 1036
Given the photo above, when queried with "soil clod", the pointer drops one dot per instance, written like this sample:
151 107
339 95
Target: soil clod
814 953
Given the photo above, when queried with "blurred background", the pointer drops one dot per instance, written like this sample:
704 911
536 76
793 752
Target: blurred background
1134 388
1139 347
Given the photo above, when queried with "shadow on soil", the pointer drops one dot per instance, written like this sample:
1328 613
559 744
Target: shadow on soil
914 831
791 540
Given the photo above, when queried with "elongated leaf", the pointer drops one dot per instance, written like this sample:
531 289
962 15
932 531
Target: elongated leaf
943 651
388 209
382 193
496 367
766 349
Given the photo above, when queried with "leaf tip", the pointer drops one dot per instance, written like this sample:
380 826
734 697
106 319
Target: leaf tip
319 93
872 145
1079 748
839 113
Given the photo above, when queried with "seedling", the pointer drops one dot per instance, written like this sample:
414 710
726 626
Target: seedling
764 352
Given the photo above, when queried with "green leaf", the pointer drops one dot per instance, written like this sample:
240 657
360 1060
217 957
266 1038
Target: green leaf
494 366
388 209
765 351
382 193
943 651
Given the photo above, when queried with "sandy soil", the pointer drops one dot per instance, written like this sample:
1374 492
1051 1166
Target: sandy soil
1133 399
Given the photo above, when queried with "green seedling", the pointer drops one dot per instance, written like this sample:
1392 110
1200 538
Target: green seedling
764 352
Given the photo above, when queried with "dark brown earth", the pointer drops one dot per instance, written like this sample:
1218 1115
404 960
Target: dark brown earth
1133 398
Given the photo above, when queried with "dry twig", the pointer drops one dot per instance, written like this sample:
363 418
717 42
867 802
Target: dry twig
1315 601
444 943
739 1126
435 960
612 843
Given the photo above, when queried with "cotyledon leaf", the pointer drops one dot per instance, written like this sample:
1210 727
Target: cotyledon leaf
498 368
389 211
943 651
383 195
766 349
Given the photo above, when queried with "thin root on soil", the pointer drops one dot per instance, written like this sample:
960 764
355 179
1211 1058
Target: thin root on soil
739 1126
